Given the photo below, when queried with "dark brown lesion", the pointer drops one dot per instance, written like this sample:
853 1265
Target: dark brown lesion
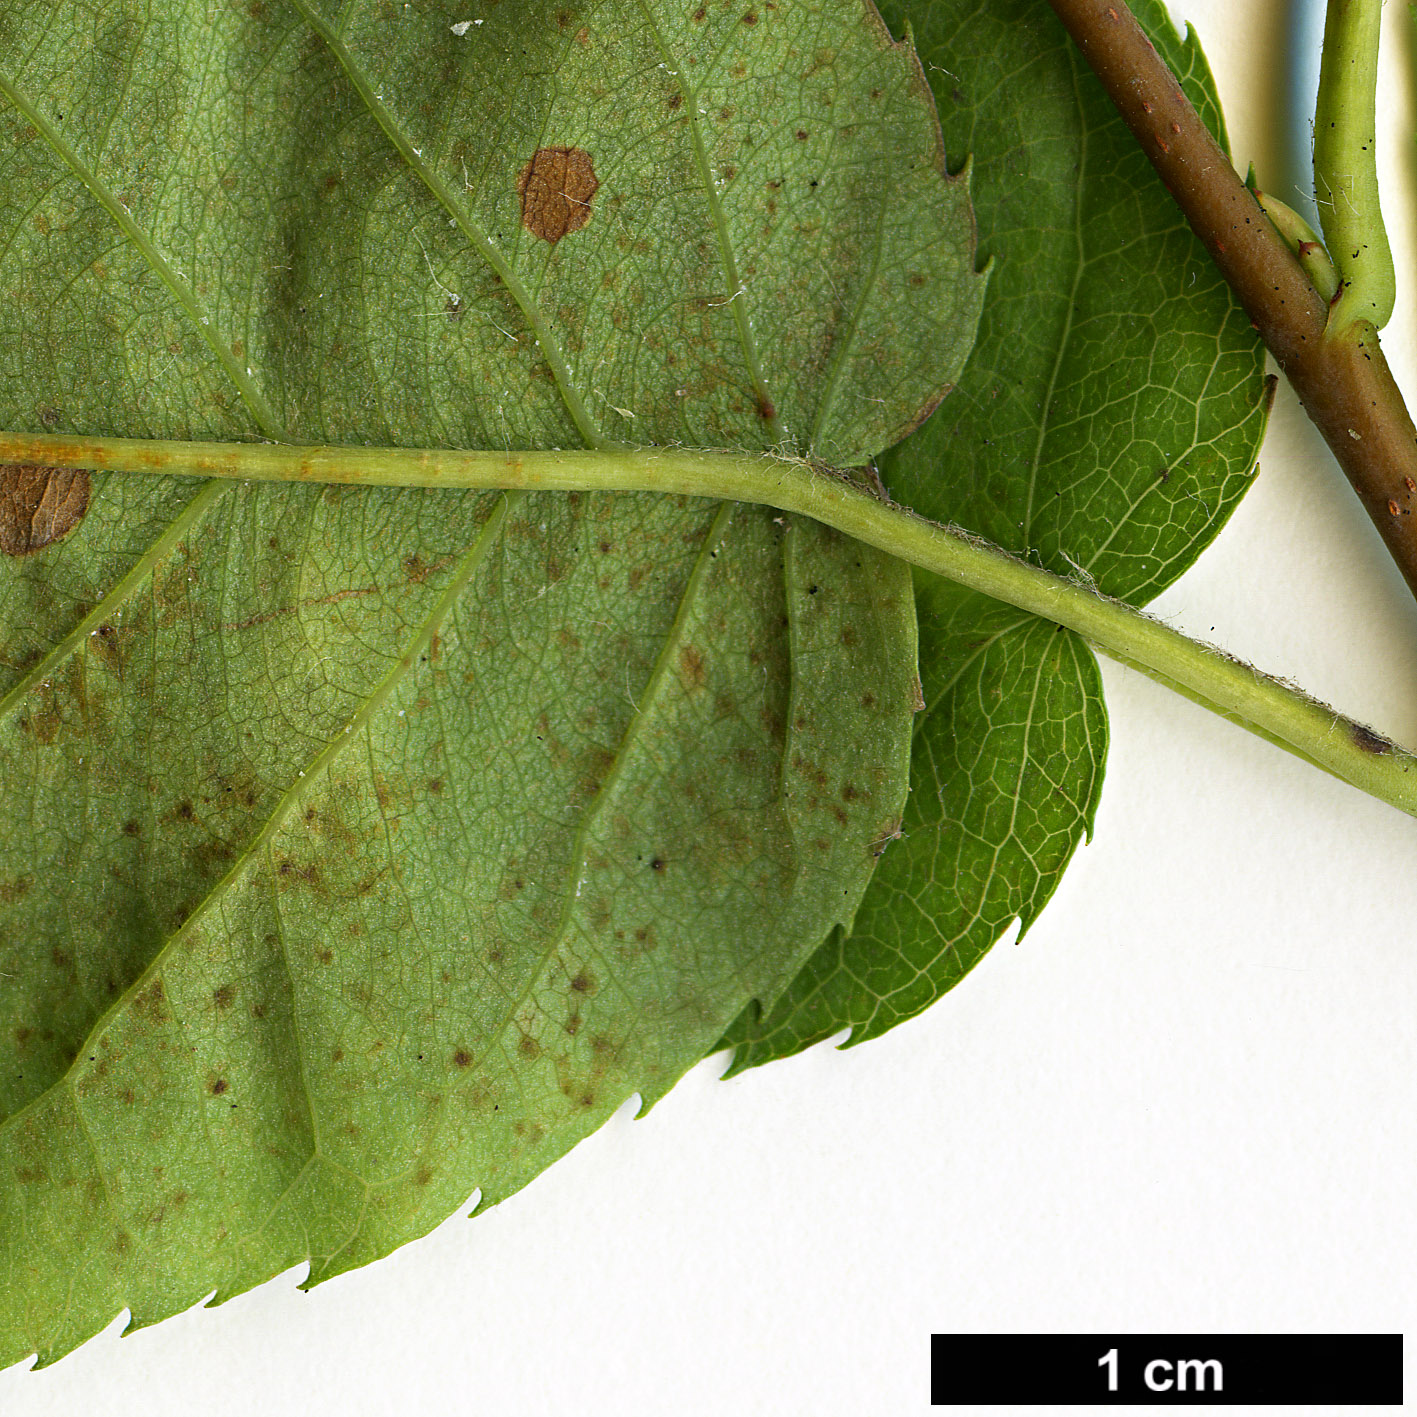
39 506
556 188
1368 741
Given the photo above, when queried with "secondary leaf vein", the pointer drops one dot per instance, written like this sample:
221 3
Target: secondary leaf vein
481 242
737 290
183 293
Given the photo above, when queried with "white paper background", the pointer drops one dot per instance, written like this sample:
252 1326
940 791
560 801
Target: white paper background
1184 1103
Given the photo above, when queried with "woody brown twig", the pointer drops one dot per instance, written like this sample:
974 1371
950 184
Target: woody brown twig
1340 375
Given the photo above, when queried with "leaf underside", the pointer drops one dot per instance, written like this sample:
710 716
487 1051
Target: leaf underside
1106 426
369 847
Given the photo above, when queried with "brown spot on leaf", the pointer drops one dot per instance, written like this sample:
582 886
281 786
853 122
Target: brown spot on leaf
691 665
18 889
462 1058
150 1004
556 188
39 506
219 1086
225 996
583 983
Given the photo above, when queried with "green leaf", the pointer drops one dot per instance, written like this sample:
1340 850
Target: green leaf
1105 427
370 847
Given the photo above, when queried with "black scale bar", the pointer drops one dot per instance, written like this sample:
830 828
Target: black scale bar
1172 1369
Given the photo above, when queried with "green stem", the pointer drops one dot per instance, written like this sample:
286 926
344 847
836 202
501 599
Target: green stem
1234 690
1345 164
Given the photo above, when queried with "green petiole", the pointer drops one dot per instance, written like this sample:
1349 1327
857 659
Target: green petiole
1345 165
1264 706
